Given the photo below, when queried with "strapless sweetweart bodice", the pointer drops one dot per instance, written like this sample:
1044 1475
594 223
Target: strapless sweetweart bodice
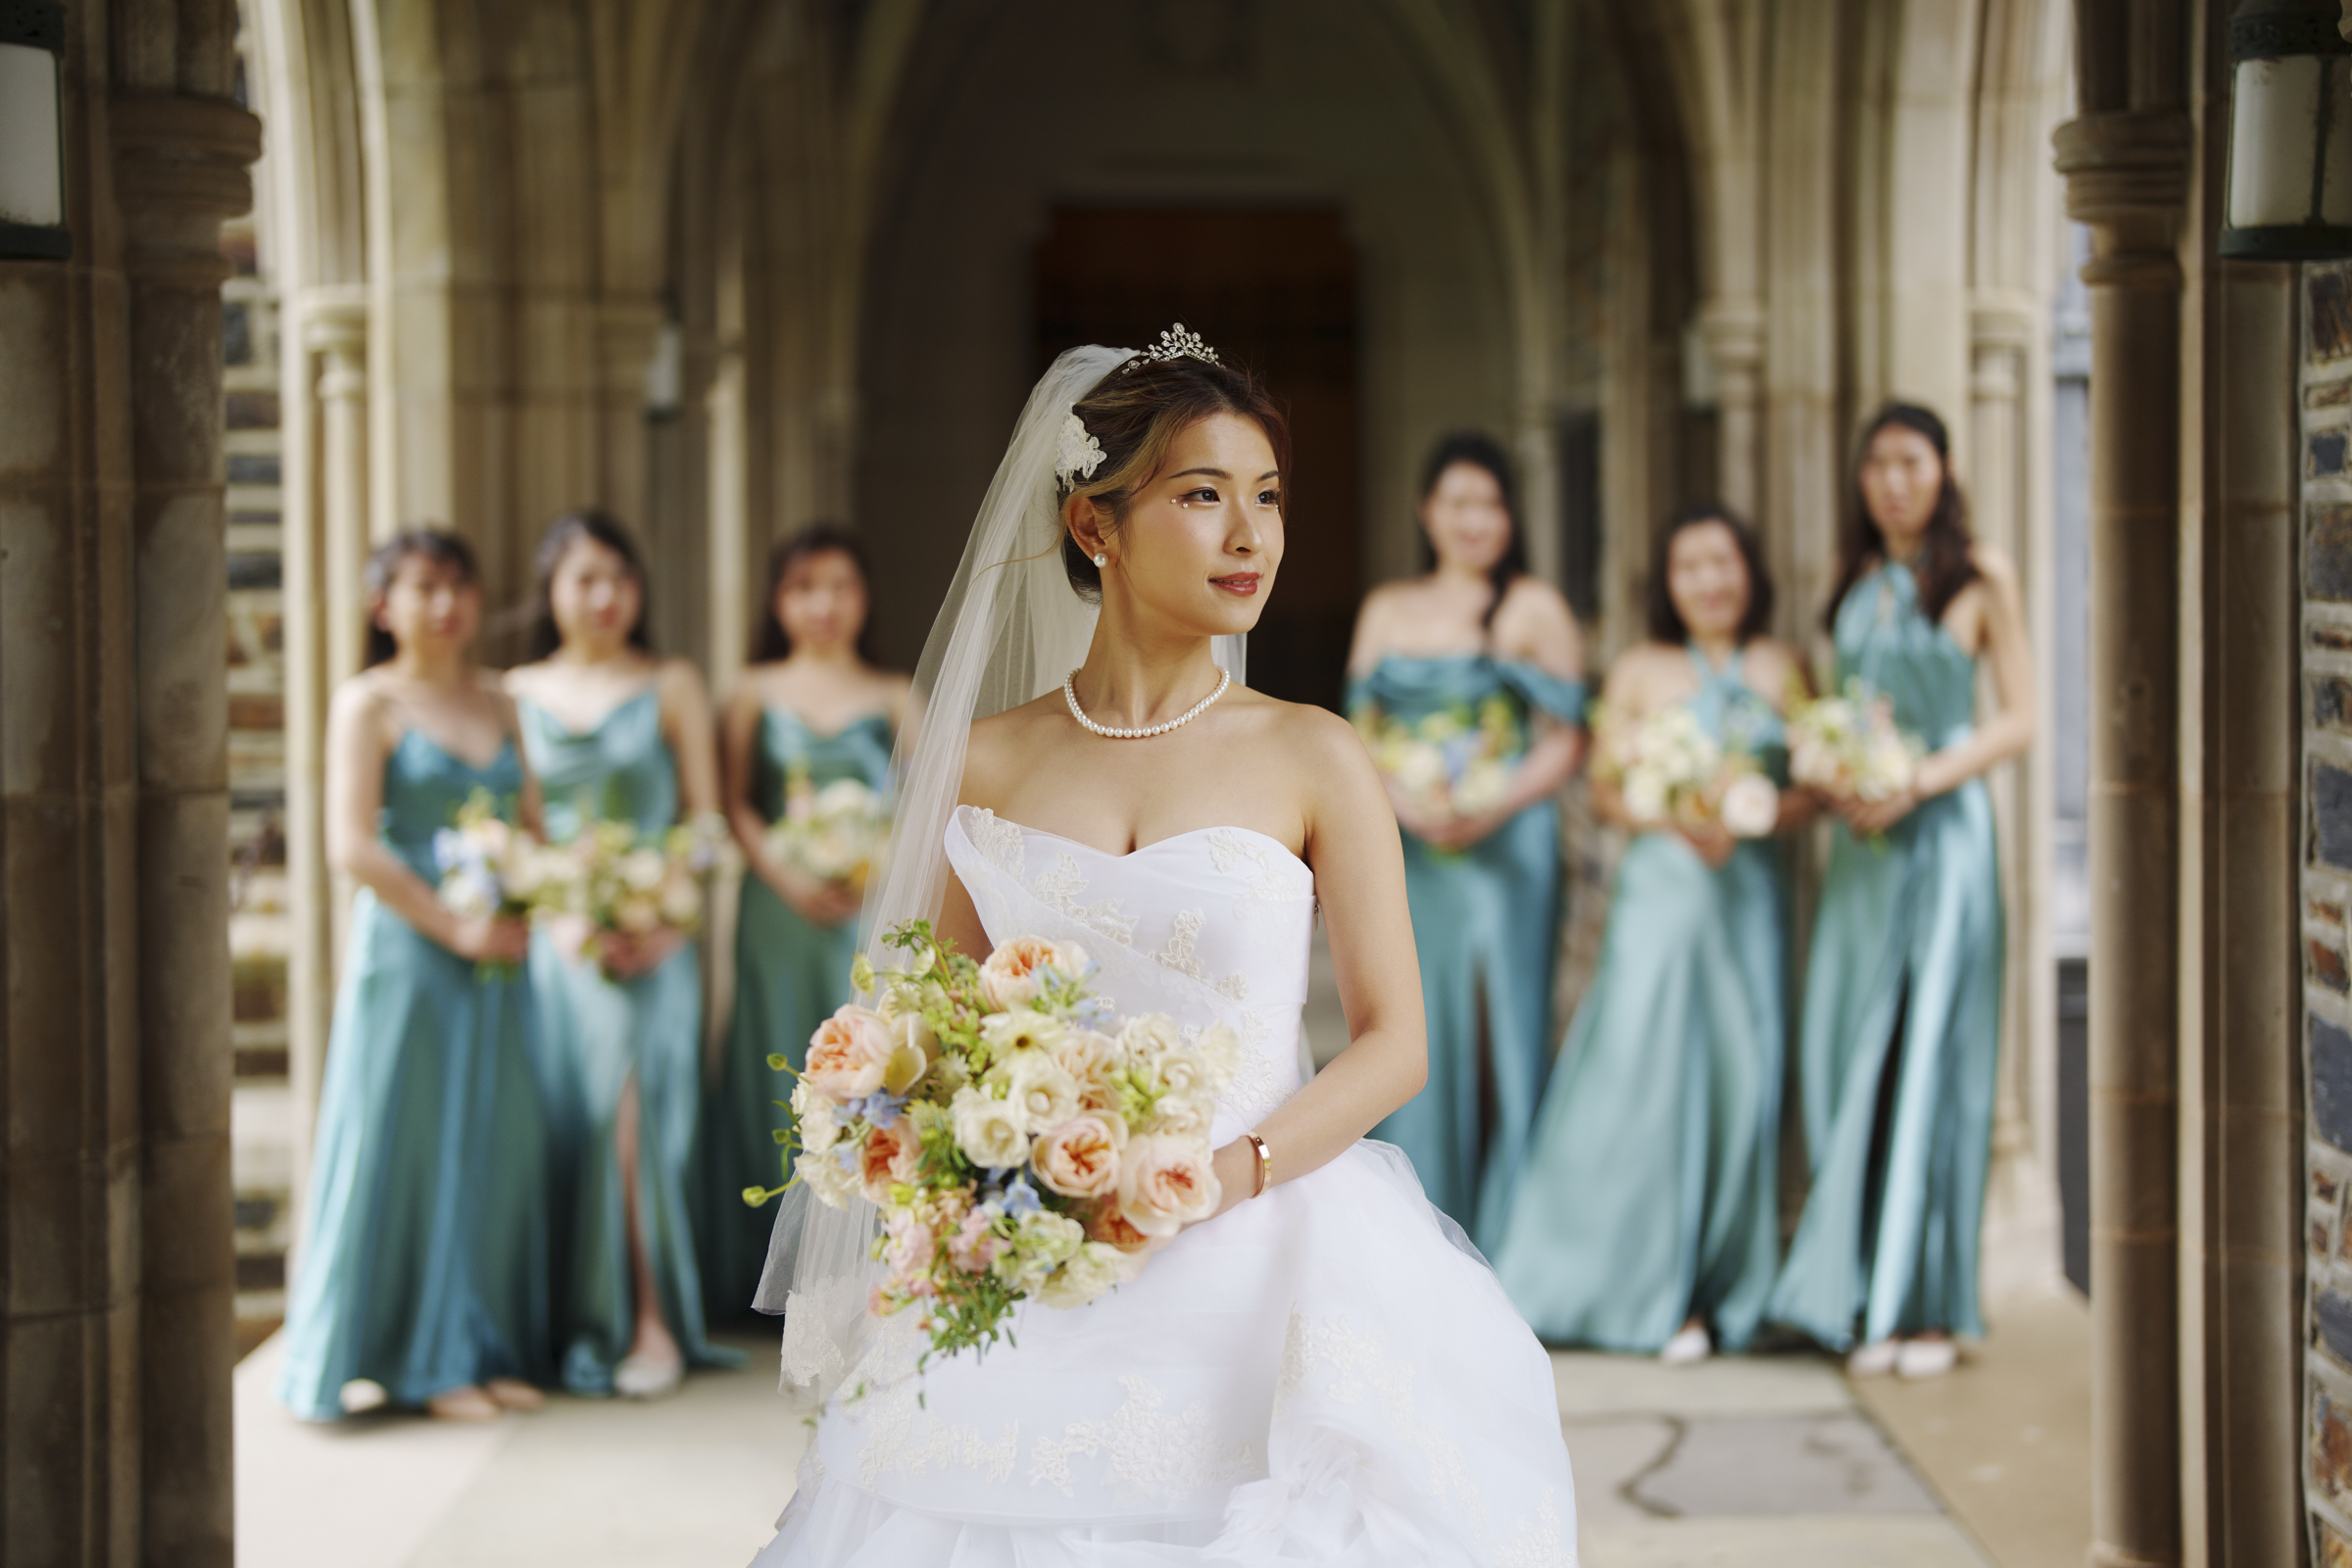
1327 1372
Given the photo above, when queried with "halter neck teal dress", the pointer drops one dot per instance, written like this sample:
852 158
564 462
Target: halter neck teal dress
789 977
425 1264
597 1036
1901 1040
1649 1194
1487 923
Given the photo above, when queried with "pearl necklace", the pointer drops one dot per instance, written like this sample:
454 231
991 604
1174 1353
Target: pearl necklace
1069 690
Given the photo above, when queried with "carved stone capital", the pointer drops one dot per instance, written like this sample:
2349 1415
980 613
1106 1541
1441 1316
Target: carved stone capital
1732 329
181 169
2130 164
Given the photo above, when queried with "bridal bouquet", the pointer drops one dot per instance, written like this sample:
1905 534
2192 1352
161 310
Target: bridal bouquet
834 834
1019 1139
1670 770
1456 761
1851 745
617 882
489 867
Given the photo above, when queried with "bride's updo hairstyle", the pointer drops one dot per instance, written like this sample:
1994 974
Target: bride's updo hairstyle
1136 413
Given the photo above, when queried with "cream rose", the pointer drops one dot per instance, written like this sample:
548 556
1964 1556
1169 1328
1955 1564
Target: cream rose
1751 807
1148 1036
820 1126
988 1130
1179 1072
1184 1116
1106 1224
849 1055
1093 1060
1080 1158
1165 1184
1045 1095
1091 1272
1009 976
641 870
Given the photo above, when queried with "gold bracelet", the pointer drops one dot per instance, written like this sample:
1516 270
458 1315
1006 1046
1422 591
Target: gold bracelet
1265 1164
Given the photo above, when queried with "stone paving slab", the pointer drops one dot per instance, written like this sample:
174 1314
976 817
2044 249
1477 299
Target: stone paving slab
1844 1541
1779 1466
1592 1385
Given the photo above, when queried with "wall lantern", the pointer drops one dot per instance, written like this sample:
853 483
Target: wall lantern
32 141
2290 133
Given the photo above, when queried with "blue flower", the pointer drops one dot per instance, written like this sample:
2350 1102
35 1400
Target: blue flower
879 1107
1020 1197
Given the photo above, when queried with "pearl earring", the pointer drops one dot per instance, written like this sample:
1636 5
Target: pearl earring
1102 559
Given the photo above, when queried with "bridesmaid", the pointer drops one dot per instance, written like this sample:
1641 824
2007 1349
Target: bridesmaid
813 699
1901 1030
616 733
1648 1210
423 1279
1474 635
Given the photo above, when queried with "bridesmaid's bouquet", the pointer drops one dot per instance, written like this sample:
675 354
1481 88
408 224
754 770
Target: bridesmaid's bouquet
615 881
1456 760
489 867
834 834
1670 770
1851 745
1020 1140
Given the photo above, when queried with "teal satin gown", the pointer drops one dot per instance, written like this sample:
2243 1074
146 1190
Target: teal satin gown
1650 1195
1486 921
789 977
425 1264
596 1037
1900 1041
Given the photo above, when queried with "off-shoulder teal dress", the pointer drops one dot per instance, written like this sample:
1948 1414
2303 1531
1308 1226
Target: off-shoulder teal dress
1486 921
1900 1041
789 976
425 1264
598 1035
1649 1196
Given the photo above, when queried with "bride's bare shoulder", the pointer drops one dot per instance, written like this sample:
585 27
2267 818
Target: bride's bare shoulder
1310 736
1000 742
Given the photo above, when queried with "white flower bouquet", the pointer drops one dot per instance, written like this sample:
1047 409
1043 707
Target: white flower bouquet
835 834
489 867
1456 760
608 877
1670 770
1020 1141
1851 745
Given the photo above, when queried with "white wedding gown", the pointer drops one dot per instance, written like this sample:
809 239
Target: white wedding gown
1327 1374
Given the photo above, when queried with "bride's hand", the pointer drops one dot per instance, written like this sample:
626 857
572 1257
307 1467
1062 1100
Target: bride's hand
1236 1166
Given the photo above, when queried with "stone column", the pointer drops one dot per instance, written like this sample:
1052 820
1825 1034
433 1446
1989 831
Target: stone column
2127 178
325 545
1734 330
179 169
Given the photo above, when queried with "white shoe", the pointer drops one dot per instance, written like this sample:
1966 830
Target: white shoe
644 1378
1927 1359
1687 1347
1874 1360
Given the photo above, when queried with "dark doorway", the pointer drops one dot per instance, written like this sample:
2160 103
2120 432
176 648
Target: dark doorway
1273 289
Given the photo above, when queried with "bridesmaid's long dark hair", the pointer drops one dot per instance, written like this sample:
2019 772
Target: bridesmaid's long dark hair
1480 451
1942 566
606 530
1666 621
770 643
383 565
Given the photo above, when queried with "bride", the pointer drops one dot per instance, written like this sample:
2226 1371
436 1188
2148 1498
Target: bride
1325 1371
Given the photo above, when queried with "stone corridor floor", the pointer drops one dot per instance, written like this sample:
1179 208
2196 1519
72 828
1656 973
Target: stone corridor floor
1770 1461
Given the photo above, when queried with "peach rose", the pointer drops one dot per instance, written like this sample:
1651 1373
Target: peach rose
1106 1224
1080 1158
847 1055
887 1156
1009 976
1165 1184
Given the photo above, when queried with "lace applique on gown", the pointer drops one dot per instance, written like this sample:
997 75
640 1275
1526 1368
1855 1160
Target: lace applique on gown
1326 1374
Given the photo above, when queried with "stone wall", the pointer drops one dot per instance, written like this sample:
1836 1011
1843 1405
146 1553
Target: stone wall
2326 893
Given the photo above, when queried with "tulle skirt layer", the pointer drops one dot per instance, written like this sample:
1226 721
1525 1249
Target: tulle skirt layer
1328 1374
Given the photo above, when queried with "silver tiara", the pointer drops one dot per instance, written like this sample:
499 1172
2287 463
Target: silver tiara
1175 344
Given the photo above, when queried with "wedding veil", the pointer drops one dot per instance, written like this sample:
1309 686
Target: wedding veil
1009 630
